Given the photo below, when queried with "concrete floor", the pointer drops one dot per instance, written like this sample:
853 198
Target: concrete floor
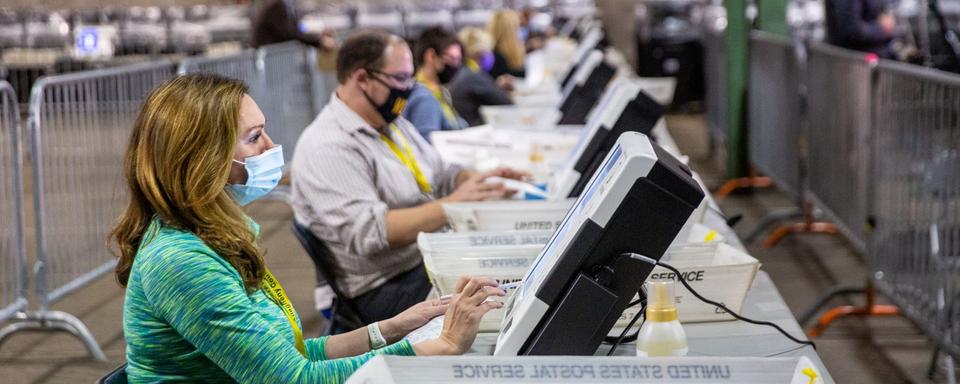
874 350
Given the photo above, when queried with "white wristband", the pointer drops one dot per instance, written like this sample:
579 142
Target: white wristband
376 337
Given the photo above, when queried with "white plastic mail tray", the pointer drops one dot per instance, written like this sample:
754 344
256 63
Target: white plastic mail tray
504 256
520 117
507 215
483 148
716 270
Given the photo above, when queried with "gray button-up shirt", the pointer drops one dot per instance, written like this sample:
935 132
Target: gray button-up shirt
345 179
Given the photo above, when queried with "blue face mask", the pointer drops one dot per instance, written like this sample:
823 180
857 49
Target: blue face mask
263 174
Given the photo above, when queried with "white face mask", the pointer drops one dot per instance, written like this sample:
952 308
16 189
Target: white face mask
263 174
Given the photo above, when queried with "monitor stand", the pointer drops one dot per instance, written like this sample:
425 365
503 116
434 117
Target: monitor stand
587 307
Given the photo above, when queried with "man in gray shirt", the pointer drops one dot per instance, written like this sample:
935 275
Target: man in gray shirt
366 183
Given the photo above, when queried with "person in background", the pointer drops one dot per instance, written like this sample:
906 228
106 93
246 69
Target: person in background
201 304
276 21
863 25
438 58
525 15
508 51
473 87
620 27
366 183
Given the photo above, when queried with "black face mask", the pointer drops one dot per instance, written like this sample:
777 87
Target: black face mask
447 73
395 103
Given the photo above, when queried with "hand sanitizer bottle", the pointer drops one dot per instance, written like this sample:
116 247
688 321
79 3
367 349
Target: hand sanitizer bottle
661 333
539 170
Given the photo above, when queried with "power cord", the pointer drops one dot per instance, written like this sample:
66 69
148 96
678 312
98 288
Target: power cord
705 300
623 338
612 339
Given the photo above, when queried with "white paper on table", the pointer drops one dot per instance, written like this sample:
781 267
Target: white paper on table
429 331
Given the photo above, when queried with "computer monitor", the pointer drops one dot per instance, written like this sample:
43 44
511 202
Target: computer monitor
625 107
569 28
581 282
591 41
585 88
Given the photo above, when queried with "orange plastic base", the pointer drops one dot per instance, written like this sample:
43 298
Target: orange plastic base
849 310
740 183
814 227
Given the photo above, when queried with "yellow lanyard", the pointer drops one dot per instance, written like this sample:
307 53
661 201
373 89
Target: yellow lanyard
271 287
406 157
472 64
448 111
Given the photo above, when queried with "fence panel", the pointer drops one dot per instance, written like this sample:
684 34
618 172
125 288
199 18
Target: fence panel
290 70
13 273
915 247
775 110
839 105
79 128
715 59
241 66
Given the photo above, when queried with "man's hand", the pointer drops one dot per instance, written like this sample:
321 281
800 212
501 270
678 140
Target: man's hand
508 173
505 82
475 188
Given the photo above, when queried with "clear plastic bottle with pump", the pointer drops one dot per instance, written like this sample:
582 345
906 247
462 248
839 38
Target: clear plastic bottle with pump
661 333
539 170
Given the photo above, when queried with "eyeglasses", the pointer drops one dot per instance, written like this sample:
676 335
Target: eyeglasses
403 79
449 59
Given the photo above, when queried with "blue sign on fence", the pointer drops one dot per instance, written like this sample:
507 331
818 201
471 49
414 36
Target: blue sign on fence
88 40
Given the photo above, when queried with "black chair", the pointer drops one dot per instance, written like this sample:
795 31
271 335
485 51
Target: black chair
345 316
116 376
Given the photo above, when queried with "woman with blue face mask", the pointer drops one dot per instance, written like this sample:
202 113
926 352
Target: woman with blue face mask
201 304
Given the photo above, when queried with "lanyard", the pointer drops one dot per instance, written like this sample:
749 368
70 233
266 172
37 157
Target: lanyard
448 112
472 64
273 290
406 157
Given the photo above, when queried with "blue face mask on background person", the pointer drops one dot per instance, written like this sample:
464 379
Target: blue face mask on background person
263 174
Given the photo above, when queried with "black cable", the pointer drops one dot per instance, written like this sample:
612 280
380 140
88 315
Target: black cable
714 303
785 351
731 221
611 339
633 321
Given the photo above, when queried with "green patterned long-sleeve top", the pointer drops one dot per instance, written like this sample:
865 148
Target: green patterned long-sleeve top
187 318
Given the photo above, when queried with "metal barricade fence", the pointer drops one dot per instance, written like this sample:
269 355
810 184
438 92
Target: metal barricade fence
13 272
838 103
774 110
325 82
915 244
241 66
715 60
290 70
80 125
24 66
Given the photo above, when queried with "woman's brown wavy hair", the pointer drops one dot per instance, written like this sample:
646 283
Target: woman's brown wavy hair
176 166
